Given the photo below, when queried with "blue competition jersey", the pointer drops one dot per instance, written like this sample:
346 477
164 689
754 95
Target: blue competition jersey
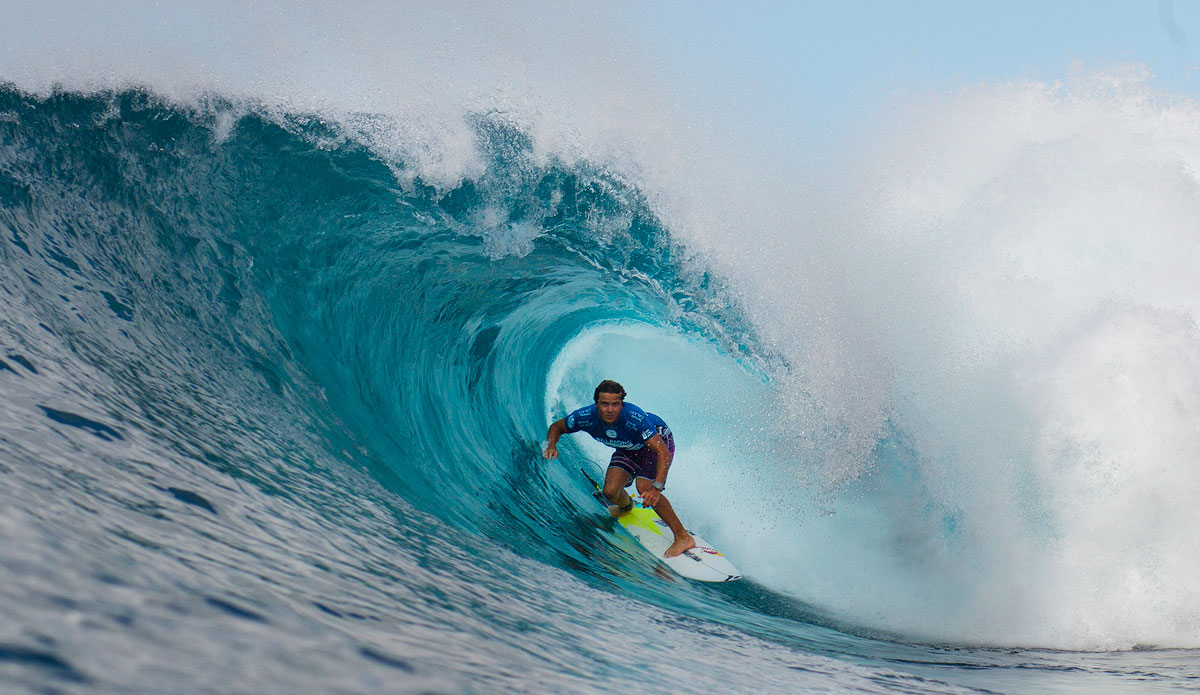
633 428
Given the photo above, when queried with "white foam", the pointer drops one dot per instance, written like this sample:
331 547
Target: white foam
1013 287
563 73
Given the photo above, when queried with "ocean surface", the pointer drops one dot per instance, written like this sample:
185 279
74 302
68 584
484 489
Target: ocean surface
272 402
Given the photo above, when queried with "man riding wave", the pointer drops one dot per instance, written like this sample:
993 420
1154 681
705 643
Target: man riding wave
644 450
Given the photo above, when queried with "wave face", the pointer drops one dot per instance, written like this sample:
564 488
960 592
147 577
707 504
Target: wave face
273 404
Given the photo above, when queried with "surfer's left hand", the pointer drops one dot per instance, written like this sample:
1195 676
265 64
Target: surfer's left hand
650 497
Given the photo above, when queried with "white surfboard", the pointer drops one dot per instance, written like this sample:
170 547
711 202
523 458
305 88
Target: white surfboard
703 563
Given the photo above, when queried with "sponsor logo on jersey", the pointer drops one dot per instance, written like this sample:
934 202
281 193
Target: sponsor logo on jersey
612 434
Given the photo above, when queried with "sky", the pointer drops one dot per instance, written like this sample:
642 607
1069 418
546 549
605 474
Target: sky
826 65
871 45
827 49
812 74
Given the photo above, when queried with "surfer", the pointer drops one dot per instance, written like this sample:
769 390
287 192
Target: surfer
644 448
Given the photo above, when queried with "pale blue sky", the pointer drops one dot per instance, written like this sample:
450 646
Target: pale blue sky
833 44
822 64
804 73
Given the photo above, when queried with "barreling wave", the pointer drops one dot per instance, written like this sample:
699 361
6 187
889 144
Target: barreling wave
341 367
204 299
220 259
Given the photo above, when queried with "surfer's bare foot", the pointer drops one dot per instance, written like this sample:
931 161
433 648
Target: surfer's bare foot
619 511
682 543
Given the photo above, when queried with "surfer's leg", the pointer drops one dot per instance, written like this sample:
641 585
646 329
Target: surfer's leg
615 481
683 540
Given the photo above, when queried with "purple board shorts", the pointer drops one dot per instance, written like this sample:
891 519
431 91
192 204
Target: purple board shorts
642 463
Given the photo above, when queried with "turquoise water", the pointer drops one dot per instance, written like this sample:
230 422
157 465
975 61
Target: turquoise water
272 415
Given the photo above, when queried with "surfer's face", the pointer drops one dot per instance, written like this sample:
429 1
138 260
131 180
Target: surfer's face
609 405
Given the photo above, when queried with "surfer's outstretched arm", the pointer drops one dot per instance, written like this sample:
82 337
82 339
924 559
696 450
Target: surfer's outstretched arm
557 429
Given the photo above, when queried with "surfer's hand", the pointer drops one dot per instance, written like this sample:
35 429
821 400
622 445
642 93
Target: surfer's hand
650 497
551 452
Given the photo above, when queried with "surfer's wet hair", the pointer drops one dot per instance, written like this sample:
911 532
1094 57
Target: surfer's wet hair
608 386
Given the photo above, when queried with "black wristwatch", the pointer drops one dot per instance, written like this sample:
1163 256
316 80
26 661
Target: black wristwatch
659 486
